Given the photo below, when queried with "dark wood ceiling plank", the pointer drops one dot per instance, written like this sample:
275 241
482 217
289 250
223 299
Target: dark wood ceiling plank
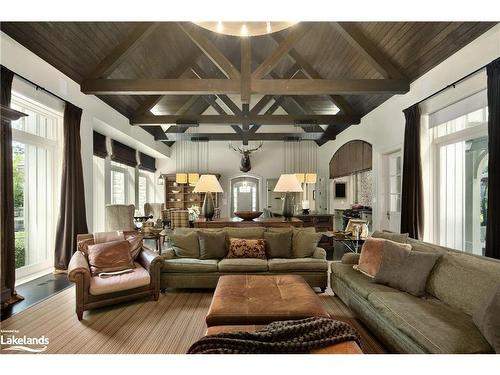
251 136
211 51
359 41
284 46
123 50
232 120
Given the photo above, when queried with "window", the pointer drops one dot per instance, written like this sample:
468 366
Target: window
122 184
145 189
461 149
99 193
36 184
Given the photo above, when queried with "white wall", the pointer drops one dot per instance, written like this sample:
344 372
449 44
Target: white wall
384 126
96 114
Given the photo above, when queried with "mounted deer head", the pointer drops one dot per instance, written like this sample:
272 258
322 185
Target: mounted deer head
245 156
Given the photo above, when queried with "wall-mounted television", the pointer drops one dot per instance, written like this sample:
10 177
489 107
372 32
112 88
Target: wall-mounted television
340 190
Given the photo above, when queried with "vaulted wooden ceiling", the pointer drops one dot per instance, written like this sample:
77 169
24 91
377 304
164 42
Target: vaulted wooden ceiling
315 73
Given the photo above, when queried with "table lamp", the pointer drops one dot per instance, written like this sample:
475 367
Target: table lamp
208 184
288 184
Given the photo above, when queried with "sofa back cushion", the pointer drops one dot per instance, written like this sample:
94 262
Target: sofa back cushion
463 281
396 237
244 248
279 245
185 245
304 243
212 245
110 257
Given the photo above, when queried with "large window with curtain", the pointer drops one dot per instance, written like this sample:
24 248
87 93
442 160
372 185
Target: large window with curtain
460 140
36 154
122 184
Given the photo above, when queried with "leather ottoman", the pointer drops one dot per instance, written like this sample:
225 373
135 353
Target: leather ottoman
262 299
348 347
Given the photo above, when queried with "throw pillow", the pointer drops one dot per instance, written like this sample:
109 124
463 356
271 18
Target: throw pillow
396 237
404 269
279 245
487 319
212 244
135 240
371 256
243 248
110 256
101 237
185 245
304 243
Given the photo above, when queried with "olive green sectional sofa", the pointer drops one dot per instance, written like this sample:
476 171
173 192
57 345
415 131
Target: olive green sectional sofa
183 272
439 322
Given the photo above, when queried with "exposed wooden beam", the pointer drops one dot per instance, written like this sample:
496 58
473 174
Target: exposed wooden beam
265 100
286 44
330 134
230 104
369 50
228 86
123 50
212 52
232 120
241 137
246 69
312 73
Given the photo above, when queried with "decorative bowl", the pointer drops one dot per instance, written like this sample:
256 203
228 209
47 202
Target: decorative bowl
176 191
248 215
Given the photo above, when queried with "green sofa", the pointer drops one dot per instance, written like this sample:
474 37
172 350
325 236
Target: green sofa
439 322
197 273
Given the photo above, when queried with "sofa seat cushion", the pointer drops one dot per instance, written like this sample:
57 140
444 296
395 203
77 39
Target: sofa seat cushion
299 264
355 280
242 265
436 327
138 277
189 265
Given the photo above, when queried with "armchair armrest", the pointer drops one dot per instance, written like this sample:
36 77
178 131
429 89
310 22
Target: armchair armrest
350 258
78 265
319 253
148 259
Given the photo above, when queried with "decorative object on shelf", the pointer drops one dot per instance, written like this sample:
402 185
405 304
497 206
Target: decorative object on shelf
288 183
208 184
248 215
305 207
176 191
193 178
181 178
245 28
194 213
245 156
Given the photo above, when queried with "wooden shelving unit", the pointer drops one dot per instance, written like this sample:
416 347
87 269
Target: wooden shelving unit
184 198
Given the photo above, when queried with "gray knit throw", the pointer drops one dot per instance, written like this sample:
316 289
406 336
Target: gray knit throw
291 336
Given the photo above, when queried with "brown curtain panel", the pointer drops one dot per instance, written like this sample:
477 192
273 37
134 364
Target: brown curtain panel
8 266
412 202
493 225
72 217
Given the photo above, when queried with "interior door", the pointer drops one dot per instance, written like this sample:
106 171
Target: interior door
391 217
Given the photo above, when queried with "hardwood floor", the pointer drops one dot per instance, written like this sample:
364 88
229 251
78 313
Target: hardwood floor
170 325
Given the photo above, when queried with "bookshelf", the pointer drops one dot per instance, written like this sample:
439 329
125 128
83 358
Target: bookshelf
181 196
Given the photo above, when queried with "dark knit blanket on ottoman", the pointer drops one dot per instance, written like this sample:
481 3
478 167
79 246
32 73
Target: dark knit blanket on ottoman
291 336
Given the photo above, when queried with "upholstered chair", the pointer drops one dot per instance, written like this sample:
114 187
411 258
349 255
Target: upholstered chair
156 210
93 291
120 217
179 219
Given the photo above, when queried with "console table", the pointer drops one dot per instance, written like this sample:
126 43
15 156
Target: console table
237 222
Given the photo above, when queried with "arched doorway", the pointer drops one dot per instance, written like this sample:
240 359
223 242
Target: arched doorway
245 194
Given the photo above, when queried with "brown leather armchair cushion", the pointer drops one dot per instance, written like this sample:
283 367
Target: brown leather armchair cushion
110 257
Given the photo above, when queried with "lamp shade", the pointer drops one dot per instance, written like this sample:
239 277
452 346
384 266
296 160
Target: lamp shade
311 178
300 177
288 183
208 183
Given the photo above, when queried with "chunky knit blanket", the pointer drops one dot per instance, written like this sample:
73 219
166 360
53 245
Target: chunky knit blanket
291 336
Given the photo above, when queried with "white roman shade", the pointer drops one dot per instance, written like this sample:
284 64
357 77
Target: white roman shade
469 104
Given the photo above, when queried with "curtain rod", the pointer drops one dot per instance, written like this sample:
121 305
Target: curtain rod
38 87
452 85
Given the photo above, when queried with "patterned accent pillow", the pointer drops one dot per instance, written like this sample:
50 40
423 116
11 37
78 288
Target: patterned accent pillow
244 248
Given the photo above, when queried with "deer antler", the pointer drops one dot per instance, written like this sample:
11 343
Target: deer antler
235 149
256 148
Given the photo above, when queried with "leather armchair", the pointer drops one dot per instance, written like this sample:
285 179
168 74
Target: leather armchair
79 273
